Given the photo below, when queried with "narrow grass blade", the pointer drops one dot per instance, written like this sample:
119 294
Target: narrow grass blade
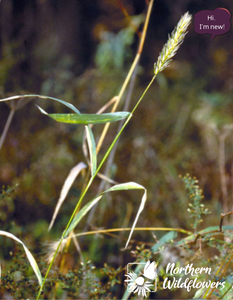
81 214
141 207
31 259
90 204
92 149
65 189
86 119
71 106
106 178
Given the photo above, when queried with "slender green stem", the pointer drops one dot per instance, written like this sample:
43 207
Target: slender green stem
145 91
129 229
90 182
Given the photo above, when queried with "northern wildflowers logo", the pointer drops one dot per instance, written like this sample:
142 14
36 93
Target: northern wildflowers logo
142 278
145 281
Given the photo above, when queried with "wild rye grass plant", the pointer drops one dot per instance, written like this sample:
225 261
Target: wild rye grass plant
93 167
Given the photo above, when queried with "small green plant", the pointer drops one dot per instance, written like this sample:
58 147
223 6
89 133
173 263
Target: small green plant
196 207
6 204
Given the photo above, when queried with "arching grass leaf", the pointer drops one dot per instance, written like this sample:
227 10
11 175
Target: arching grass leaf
90 204
31 259
71 106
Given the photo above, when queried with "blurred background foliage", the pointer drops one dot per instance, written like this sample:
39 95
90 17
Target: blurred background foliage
80 51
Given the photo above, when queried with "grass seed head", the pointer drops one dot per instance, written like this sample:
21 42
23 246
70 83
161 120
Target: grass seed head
173 43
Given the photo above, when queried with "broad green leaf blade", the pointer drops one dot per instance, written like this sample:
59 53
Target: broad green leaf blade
227 290
86 119
225 227
71 106
171 235
65 189
92 149
90 204
199 293
31 259
204 231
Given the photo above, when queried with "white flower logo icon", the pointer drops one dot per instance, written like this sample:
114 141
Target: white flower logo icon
143 282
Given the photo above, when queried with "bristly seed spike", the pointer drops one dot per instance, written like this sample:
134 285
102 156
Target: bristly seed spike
173 44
